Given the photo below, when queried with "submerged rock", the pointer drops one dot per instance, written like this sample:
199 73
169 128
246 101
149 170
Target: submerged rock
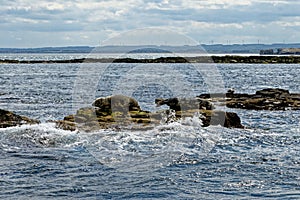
10 119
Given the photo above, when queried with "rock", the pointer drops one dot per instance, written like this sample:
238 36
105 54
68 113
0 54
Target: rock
185 103
116 103
272 93
204 107
66 125
226 119
9 119
266 99
214 117
107 112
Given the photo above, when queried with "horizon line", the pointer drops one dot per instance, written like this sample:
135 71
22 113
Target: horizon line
200 44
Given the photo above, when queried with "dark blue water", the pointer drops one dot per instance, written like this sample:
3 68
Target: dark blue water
180 160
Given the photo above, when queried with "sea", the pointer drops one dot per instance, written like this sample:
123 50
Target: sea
177 159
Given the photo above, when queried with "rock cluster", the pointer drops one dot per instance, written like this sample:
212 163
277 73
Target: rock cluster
9 119
187 107
266 99
119 110
108 112
199 59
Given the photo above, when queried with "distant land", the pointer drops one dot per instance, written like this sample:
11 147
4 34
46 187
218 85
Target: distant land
209 48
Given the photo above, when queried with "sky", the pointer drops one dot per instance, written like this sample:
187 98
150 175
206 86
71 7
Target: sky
27 23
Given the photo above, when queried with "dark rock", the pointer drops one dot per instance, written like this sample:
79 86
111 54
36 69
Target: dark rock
266 99
116 103
66 125
272 93
214 117
9 119
226 119
185 103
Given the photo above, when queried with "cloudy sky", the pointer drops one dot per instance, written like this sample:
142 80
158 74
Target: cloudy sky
26 23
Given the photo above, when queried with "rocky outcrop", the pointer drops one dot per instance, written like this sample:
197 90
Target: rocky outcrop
187 107
116 103
213 117
226 119
199 59
266 99
9 119
108 112
116 111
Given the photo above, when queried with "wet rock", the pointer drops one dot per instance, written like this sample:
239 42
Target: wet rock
9 119
66 125
108 112
179 104
116 103
123 111
272 93
214 117
188 107
266 99
226 119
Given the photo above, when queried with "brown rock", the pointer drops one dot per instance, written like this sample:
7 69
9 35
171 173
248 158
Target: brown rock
266 99
9 119
117 103
217 117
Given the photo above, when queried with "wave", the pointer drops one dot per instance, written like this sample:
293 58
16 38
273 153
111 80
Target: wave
124 149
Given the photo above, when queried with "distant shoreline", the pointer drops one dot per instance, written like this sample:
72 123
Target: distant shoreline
199 59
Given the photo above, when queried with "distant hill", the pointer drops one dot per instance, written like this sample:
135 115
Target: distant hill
213 48
70 49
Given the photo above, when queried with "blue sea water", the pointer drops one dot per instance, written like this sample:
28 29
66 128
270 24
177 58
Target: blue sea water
180 160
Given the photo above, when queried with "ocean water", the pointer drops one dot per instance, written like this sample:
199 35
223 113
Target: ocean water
68 56
178 160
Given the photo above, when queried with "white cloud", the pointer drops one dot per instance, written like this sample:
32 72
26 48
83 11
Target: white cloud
204 20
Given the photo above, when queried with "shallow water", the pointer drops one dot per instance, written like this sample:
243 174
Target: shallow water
180 160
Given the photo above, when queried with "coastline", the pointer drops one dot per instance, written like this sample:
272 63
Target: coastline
270 59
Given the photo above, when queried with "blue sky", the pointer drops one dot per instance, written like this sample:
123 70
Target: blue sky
26 23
